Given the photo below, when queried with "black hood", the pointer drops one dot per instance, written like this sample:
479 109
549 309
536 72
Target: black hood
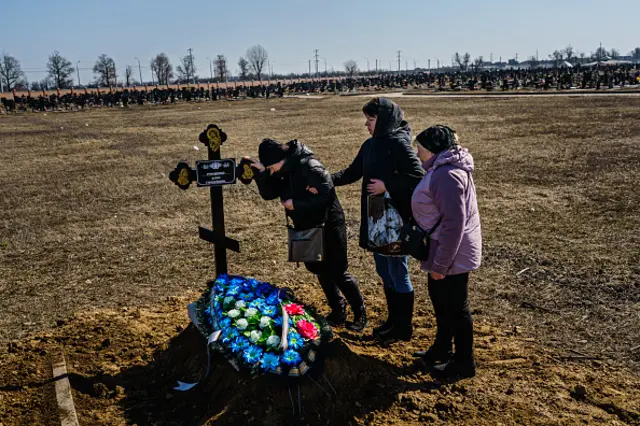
295 152
390 119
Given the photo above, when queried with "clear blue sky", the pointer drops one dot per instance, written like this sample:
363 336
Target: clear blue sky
290 30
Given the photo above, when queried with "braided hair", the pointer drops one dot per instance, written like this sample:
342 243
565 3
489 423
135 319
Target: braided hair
438 138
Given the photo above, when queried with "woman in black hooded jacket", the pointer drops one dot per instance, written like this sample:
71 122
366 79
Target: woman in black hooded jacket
287 171
387 162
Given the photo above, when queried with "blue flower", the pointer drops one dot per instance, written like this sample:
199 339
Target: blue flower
225 322
233 291
229 334
269 310
295 340
236 281
239 344
252 354
291 357
247 296
257 304
208 310
273 298
264 287
278 321
270 361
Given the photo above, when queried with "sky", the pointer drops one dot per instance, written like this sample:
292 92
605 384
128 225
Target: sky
424 31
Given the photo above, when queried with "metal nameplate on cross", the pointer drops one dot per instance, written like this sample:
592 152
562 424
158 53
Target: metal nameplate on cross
214 173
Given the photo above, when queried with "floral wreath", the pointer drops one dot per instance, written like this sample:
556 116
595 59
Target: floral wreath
262 329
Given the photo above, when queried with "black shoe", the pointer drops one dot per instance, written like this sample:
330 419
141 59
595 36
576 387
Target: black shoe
454 370
336 318
359 321
386 326
432 357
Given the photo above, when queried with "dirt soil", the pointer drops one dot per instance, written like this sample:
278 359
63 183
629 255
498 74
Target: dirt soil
99 255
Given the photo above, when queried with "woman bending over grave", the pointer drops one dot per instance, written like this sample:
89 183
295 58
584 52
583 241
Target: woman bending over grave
444 204
287 171
389 168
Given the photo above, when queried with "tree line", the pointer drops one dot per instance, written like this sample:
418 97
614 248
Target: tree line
252 66
60 70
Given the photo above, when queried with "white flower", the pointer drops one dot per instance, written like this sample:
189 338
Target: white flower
242 324
264 322
250 312
255 336
228 300
273 341
234 313
241 304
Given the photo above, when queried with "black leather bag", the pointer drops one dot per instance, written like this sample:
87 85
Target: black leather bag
414 241
307 245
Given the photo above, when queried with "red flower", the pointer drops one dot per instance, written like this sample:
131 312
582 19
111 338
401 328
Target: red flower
294 309
307 330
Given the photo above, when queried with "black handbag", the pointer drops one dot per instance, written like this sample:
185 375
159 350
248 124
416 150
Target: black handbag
306 245
414 241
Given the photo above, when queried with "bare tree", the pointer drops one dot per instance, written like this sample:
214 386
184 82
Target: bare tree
243 64
569 54
187 69
105 70
10 71
557 56
220 68
163 68
257 57
614 53
600 54
458 60
351 67
478 62
635 53
60 70
466 60
127 75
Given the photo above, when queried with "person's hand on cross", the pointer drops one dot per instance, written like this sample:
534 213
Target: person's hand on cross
255 164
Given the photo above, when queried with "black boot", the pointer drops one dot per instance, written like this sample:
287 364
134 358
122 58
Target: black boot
359 320
434 356
386 326
455 370
402 328
338 315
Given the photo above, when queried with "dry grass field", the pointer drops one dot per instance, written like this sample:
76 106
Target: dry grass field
99 254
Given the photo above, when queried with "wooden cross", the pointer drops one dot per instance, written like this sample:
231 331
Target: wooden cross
214 173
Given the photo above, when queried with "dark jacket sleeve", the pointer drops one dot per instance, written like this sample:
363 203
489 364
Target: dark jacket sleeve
352 173
268 186
448 188
408 167
319 179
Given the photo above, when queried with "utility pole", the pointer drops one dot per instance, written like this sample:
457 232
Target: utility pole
309 68
429 64
491 57
516 56
406 65
139 70
376 66
78 72
399 52
316 54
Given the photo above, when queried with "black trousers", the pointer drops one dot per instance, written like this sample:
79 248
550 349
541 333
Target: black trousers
333 273
450 298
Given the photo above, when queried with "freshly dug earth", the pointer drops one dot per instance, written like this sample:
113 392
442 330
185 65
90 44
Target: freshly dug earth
99 254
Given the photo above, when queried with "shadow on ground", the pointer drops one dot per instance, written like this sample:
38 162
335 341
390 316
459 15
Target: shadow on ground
343 385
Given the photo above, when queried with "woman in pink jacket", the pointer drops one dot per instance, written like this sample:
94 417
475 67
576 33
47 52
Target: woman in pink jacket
444 202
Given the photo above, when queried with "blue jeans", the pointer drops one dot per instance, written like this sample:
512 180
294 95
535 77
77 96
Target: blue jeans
394 272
